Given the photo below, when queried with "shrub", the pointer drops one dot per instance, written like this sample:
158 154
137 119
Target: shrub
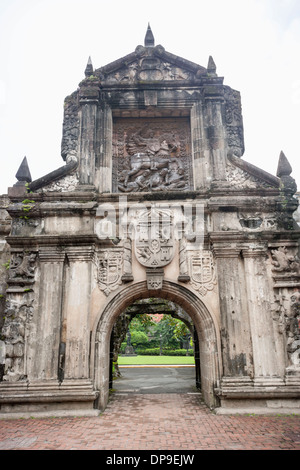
165 352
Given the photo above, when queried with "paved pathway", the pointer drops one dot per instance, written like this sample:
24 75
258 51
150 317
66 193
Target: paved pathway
165 379
153 422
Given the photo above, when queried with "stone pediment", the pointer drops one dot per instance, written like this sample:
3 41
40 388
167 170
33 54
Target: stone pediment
243 175
149 64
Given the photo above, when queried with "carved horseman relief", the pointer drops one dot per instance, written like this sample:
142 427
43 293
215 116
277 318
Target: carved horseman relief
151 155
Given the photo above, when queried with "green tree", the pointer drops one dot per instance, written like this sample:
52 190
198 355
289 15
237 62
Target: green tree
138 338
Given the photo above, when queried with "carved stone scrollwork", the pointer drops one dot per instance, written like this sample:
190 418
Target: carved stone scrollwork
22 266
149 68
21 272
285 267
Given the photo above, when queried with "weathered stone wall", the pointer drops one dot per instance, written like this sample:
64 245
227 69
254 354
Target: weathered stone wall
176 214
5 225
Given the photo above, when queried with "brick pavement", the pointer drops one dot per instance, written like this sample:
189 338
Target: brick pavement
153 422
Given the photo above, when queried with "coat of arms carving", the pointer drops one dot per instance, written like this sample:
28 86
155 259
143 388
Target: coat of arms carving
154 237
109 265
203 276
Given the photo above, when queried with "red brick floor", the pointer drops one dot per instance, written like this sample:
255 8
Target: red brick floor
153 422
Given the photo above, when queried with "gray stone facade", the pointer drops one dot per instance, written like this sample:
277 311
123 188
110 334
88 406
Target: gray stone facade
154 200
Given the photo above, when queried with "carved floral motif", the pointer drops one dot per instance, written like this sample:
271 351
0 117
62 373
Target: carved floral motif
285 262
240 179
148 68
22 266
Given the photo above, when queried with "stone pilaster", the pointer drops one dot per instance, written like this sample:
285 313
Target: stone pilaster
215 127
48 315
89 98
265 354
76 312
200 154
104 150
236 345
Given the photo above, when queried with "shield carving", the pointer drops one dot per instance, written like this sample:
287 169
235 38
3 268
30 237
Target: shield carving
154 237
109 270
202 270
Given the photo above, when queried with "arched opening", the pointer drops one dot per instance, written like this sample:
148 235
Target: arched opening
203 320
154 349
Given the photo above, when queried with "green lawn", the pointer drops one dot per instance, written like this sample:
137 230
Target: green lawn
140 360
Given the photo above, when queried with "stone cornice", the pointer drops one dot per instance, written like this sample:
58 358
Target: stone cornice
57 241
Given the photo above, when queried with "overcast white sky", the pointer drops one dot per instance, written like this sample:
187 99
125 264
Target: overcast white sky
45 45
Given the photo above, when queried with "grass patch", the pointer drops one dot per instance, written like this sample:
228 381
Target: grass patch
155 360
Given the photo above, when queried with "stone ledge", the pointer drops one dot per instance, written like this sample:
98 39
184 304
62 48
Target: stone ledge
75 412
47 392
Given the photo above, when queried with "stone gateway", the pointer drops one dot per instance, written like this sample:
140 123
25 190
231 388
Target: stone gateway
154 201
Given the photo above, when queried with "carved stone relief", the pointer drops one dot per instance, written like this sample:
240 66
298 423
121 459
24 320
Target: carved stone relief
18 315
233 119
285 262
65 184
109 266
70 126
293 330
242 180
287 316
154 237
257 221
18 312
148 68
202 271
151 155
21 272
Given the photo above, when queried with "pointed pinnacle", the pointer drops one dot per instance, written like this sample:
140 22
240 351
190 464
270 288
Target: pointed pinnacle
211 67
284 168
89 68
149 38
23 173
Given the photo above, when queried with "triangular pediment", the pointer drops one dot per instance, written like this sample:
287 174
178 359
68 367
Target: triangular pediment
149 64
243 175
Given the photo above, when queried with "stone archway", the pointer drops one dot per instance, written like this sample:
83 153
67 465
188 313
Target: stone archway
204 322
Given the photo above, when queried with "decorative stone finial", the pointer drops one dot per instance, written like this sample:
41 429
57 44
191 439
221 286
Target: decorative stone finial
284 168
211 67
149 38
23 174
89 68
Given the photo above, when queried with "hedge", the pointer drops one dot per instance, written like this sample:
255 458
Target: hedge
165 352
